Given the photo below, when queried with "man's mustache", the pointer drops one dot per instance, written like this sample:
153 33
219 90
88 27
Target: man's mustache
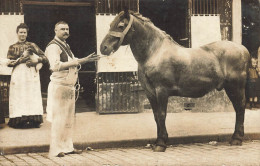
66 34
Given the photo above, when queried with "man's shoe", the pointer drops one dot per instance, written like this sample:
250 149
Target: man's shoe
61 154
75 151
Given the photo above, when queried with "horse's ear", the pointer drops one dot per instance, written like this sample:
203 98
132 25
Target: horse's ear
126 12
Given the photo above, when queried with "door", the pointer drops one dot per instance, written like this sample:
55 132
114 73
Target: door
41 20
170 16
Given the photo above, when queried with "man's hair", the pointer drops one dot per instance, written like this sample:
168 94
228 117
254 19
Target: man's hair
60 22
22 26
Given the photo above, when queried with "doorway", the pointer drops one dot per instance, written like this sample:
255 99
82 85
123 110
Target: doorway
170 16
41 20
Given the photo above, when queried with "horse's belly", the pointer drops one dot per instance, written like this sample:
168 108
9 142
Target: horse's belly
194 92
194 88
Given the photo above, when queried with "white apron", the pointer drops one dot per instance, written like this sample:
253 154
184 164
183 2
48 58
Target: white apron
25 92
61 109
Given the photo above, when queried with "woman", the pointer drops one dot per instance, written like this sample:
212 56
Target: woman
25 101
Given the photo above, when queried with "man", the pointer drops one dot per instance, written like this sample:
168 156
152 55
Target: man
61 91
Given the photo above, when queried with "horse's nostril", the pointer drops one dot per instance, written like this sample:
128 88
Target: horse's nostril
103 49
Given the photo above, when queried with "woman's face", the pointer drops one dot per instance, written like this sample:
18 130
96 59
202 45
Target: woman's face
22 34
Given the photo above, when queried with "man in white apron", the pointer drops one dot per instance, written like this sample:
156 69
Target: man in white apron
61 91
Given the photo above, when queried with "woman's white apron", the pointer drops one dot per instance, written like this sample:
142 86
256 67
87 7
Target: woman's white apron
25 92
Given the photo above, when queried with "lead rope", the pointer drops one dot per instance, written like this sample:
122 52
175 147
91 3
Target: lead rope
77 88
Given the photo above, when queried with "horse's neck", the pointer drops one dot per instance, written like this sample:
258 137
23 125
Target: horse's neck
146 40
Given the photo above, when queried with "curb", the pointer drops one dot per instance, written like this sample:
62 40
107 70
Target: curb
129 143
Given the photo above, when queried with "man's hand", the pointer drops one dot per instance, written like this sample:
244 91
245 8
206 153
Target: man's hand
91 58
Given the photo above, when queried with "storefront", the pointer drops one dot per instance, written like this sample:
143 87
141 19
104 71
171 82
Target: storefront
81 15
111 84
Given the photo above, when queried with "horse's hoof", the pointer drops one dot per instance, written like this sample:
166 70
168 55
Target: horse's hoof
157 148
235 142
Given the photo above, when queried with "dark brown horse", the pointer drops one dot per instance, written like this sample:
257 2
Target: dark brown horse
168 69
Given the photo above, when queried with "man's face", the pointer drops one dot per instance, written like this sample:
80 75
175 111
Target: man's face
22 34
62 31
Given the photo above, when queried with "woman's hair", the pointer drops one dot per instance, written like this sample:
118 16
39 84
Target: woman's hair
22 26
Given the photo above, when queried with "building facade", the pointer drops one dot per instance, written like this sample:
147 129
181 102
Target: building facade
111 85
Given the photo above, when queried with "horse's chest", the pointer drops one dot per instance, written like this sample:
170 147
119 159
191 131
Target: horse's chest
160 75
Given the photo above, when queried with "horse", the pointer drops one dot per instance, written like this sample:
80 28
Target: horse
166 69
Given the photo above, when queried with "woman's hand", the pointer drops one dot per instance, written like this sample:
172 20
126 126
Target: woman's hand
24 59
11 63
33 61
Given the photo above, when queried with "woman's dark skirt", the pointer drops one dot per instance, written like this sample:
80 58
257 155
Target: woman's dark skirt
26 121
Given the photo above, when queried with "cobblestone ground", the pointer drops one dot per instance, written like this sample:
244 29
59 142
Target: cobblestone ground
192 154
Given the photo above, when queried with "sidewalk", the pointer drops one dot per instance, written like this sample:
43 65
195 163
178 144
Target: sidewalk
129 130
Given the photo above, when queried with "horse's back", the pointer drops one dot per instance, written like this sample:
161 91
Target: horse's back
233 58
224 49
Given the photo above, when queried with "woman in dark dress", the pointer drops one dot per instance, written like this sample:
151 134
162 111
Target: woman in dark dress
25 100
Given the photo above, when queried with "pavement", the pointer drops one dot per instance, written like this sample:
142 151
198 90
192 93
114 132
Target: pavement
220 154
131 130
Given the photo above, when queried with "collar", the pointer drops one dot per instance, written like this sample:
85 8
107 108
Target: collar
22 42
64 43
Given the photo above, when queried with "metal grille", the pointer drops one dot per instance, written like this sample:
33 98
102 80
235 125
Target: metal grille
10 7
115 6
118 92
4 92
205 7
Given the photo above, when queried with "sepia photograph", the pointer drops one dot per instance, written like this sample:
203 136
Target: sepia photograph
130 82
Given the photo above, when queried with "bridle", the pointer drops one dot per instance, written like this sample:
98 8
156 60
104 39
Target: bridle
121 35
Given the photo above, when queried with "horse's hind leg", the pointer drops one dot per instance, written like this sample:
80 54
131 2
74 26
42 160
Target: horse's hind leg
236 94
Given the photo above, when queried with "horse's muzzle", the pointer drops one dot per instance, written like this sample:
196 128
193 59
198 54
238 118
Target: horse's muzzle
104 49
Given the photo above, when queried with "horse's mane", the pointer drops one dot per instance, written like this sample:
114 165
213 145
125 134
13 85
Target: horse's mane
144 20
147 20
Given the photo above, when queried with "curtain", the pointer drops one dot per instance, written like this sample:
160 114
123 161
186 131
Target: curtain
204 30
8 36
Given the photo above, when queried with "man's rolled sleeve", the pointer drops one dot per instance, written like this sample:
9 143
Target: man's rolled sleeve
53 52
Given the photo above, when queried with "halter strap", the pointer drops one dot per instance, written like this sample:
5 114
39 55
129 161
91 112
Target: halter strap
121 35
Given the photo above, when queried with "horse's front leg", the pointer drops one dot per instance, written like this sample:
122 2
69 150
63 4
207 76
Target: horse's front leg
162 135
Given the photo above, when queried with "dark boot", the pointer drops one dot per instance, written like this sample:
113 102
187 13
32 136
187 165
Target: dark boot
251 105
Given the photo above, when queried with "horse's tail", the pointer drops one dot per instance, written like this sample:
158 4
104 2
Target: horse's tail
248 63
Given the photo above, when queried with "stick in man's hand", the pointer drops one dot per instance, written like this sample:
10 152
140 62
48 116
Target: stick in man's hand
90 58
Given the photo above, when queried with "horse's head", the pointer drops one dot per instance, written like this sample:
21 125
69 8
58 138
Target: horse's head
119 33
